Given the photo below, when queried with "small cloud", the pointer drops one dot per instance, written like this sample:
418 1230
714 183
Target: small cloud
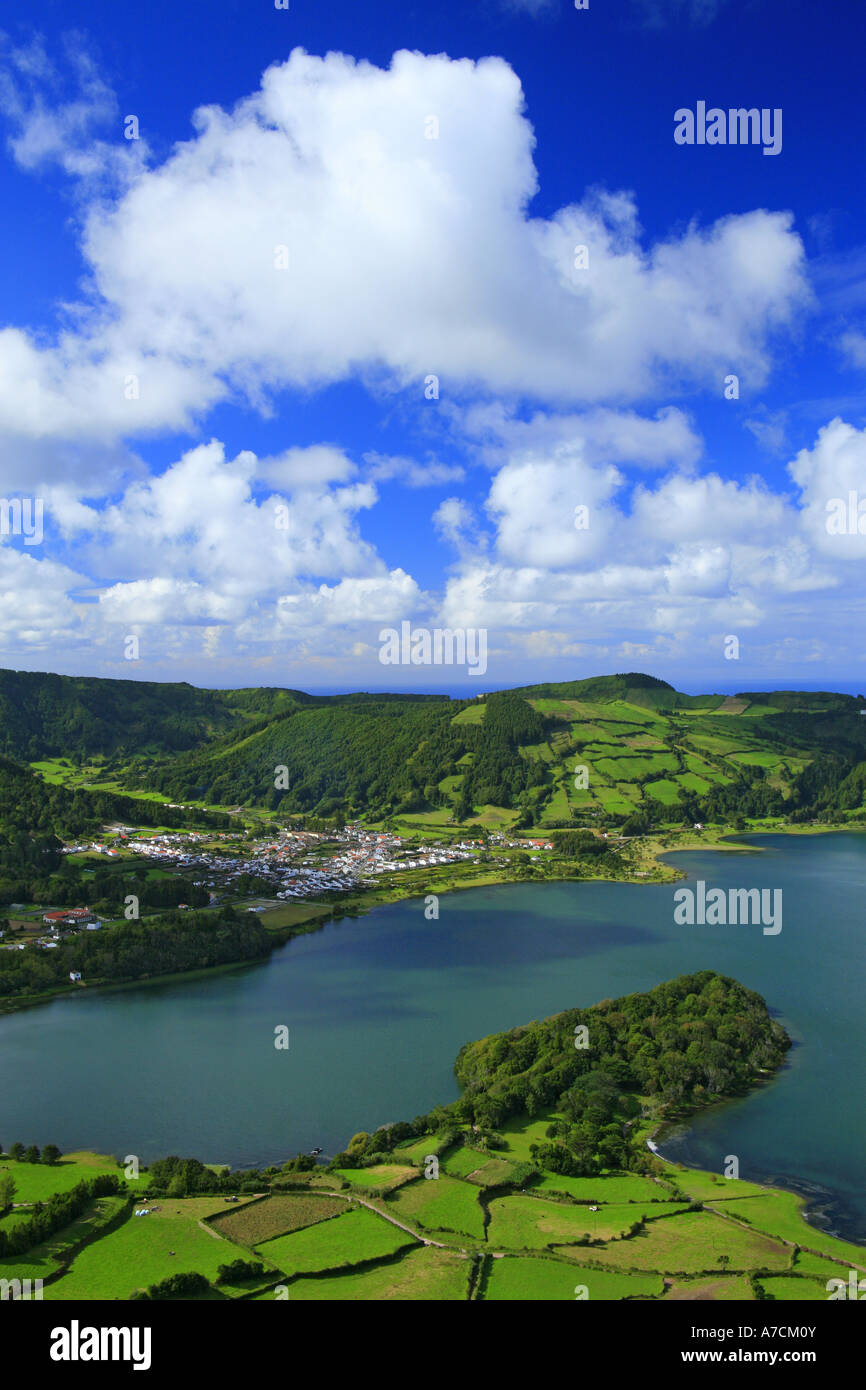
455 522
770 431
853 347
54 112
385 468
822 228
314 466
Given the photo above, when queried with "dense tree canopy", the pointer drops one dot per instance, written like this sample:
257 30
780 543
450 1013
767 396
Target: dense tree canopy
686 1042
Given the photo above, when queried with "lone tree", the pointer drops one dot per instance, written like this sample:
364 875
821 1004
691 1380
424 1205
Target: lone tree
50 1154
7 1191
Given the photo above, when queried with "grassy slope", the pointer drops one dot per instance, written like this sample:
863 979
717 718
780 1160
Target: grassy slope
641 741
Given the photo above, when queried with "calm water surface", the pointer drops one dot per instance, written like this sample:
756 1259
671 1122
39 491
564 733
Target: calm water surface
377 1009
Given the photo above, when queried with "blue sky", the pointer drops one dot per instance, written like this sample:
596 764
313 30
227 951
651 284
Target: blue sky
217 339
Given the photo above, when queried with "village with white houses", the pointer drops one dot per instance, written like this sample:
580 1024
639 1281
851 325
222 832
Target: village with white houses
299 864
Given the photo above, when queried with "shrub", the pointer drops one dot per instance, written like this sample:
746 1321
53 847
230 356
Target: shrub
238 1271
179 1286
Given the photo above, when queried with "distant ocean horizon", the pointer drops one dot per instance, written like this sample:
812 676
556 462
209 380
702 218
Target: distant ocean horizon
841 685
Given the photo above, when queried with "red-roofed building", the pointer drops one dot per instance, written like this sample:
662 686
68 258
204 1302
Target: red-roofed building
73 916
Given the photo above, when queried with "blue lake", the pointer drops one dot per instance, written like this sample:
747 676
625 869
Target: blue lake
377 1009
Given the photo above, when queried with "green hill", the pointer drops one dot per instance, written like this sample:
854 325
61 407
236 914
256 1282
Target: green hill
621 750
43 715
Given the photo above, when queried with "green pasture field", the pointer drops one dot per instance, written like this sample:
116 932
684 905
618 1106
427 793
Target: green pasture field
621 712
526 1223
317 1181
519 1133
807 1263
612 801
275 1216
692 1244
15 1217
795 1290
473 714
596 751
565 709
558 807
583 734
665 791
709 1187
424 1273
486 1169
629 769
537 752
349 1239
515 1278
703 769
385 1176
439 1204
185 1208
463 1160
449 785
612 1187
693 783
580 798
646 743
436 819
495 817
34 1182
758 759
780 1214
717 743
416 1150
493 1173
52 770
139 1253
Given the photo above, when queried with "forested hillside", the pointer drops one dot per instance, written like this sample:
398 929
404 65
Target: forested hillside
626 751
42 715
373 755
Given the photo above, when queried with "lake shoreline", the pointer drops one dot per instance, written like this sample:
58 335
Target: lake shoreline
808 1198
722 840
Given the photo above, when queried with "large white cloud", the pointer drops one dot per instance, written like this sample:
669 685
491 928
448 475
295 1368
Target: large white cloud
202 520
404 256
193 562
672 568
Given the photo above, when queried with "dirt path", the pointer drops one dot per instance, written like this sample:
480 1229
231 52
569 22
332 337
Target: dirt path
424 1240
210 1230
